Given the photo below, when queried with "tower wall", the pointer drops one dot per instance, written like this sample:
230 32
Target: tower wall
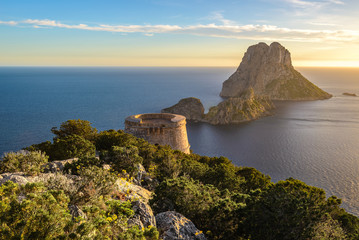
160 128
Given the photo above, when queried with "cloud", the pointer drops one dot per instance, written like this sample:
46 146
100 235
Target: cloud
8 23
226 29
217 16
313 4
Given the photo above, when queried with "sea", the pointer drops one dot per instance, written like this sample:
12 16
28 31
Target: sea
313 141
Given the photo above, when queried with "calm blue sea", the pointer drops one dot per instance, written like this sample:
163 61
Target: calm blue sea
316 141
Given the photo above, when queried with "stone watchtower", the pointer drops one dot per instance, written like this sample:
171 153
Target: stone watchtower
160 128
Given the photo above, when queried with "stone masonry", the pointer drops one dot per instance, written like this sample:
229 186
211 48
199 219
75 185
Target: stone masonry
160 128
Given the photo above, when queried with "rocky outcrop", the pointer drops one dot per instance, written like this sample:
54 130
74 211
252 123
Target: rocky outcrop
19 178
232 110
143 217
173 225
239 110
269 72
350 94
57 166
132 191
191 108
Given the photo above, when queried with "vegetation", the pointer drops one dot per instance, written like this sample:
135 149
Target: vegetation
223 200
23 161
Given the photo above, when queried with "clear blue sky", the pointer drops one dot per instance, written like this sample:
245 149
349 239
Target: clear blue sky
175 33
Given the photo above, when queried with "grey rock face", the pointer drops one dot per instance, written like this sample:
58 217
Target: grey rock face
57 166
173 225
76 212
18 178
144 216
239 110
269 72
192 108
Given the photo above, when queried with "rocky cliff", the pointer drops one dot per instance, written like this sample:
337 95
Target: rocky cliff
191 108
232 110
269 72
239 110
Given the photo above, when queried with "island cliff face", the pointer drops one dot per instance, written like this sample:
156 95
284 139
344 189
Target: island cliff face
239 110
231 110
191 108
266 73
269 72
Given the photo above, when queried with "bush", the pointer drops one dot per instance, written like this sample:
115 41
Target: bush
288 210
209 209
77 127
107 139
94 182
23 161
40 215
71 147
75 167
124 158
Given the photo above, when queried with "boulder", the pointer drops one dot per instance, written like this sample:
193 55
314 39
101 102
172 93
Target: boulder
192 108
144 216
173 225
132 191
19 178
76 212
269 72
57 166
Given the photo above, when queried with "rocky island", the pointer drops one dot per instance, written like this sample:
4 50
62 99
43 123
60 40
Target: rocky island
266 73
268 70
350 94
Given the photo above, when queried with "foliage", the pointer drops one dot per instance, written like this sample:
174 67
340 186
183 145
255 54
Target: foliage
77 127
94 183
210 209
124 158
77 165
23 161
107 139
71 147
288 210
41 215
223 200
253 179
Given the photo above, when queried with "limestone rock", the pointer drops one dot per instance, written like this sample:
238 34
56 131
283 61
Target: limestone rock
239 110
144 216
269 72
76 212
192 108
133 191
173 225
350 94
57 166
19 178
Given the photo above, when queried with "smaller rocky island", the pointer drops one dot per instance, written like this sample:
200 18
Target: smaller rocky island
350 94
231 110
265 74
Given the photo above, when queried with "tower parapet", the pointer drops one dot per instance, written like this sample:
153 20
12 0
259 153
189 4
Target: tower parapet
160 128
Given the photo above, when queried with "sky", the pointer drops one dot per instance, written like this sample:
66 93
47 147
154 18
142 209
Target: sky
175 32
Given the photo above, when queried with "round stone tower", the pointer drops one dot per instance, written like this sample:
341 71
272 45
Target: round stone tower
160 128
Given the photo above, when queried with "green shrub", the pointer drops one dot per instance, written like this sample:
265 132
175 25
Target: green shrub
289 210
71 147
77 127
74 167
23 161
40 215
94 182
124 158
107 139
209 209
